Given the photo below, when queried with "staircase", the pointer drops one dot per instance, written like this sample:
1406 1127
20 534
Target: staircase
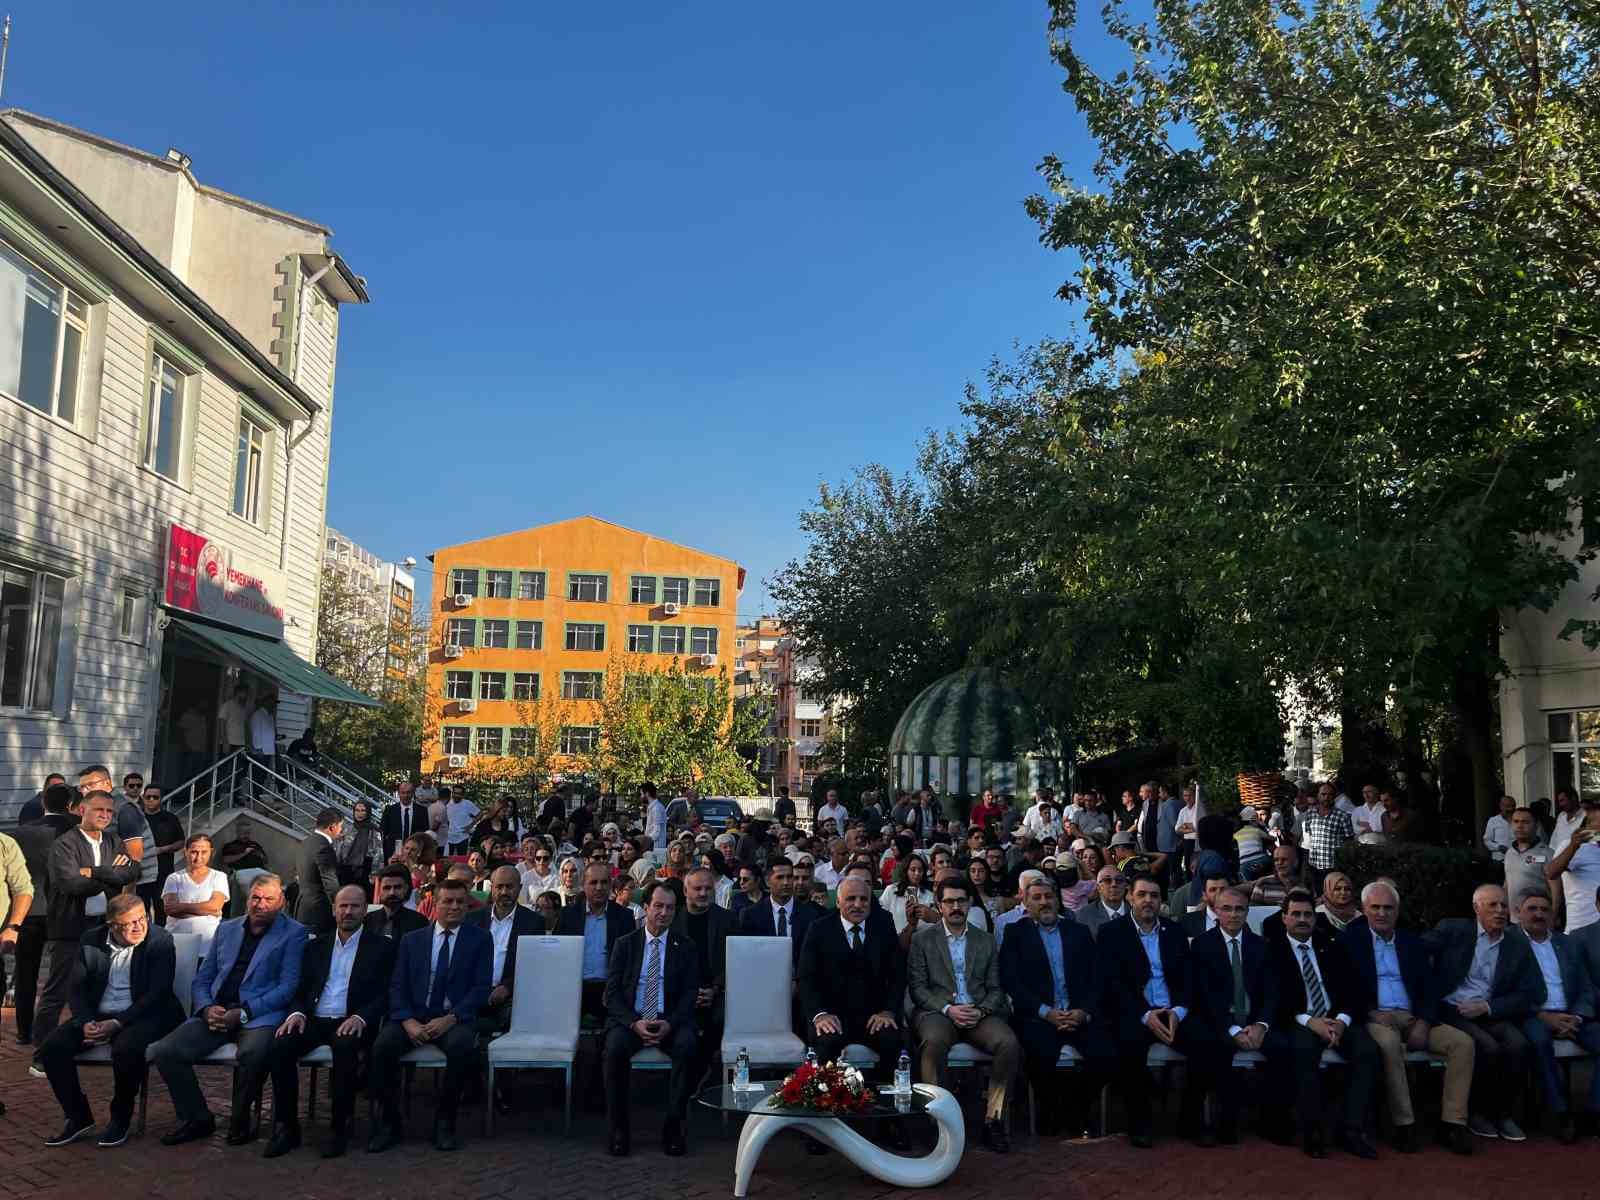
289 795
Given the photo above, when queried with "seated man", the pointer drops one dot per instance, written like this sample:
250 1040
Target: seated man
441 982
1233 997
504 920
1146 967
242 993
601 923
1395 974
1048 968
1211 881
1319 1006
392 919
652 983
954 977
1491 985
1567 1014
342 999
707 926
1109 902
123 998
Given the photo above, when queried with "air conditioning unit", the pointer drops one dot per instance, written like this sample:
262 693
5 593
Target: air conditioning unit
463 600
453 651
458 760
670 609
467 705
706 660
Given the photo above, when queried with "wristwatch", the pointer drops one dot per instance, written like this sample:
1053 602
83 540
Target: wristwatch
15 925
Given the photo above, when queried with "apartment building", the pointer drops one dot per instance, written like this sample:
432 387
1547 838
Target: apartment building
545 612
803 719
389 588
167 360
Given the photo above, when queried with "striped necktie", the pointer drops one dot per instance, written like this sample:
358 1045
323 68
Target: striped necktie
1316 998
652 982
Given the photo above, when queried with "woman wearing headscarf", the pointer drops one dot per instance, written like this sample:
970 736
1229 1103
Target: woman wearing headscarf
1338 904
360 848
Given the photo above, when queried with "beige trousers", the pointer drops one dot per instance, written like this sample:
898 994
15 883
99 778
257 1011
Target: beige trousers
1448 1043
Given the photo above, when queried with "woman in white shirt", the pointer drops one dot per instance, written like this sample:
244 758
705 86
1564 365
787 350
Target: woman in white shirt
195 897
908 893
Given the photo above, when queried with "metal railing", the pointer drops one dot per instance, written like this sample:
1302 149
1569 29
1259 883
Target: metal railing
239 781
350 782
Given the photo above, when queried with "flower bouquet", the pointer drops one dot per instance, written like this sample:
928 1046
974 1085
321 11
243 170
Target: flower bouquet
836 1088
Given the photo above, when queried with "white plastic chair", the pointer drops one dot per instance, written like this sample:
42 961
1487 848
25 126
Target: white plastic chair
758 1014
546 1003
188 948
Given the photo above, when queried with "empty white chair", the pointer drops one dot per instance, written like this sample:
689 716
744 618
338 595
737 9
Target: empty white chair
187 947
546 1004
758 1013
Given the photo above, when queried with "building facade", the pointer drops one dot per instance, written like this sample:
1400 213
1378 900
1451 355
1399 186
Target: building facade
803 719
545 613
389 588
167 357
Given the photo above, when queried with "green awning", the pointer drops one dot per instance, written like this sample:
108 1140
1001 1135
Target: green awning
274 659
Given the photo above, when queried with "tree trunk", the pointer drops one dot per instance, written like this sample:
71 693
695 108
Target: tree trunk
1475 714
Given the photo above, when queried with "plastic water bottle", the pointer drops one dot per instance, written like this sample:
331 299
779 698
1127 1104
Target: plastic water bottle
811 1056
741 1071
902 1075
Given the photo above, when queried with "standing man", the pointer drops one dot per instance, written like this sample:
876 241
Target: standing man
442 979
954 977
16 899
87 867
1525 861
319 873
1567 1014
460 816
242 993
34 808
830 872
341 1001
1569 819
832 810
780 914
166 831
1577 866
652 983
783 806
401 818
264 734
137 842
655 818
708 926
394 918
123 1000
36 837
1322 832
233 721
1497 832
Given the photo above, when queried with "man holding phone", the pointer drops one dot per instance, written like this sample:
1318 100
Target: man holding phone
1577 866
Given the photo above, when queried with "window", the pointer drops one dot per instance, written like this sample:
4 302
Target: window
525 685
579 739
707 593
30 637
636 686
463 582
530 585
496 635
675 590
702 640
522 742
1575 752
461 631
42 340
248 466
458 685
489 741
642 589
585 637
397 664
131 617
491 685
810 728
164 418
641 639
530 635
497 585
670 639
586 587
456 739
581 685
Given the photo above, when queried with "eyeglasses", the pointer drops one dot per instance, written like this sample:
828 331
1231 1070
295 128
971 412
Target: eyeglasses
958 901
541 858
134 923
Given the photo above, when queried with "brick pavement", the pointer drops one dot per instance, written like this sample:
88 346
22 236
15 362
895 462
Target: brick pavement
530 1159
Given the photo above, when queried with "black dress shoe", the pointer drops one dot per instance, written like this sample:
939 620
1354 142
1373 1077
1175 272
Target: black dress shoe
1566 1129
1355 1141
75 1128
1405 1139
284 1139
1314 1146
1456 1138
240 1134
672 1144
190 1131
618 1147
336 1145
996 1137
384 1137
444 1136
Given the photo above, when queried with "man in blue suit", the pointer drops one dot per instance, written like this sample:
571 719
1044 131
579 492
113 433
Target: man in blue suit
1568 1012
242 993
442 978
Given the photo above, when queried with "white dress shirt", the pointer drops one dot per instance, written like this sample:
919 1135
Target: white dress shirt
1228 942
826 875
1567 824
1555 992
335 998
787 909
500 931
838 814
263 732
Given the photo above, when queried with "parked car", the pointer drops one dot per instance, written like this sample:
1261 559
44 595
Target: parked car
718 812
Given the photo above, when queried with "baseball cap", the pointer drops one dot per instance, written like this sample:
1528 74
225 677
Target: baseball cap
1123 838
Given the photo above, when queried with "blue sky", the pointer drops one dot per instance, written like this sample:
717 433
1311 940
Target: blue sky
672 264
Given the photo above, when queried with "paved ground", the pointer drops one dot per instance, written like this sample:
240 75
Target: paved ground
529 1159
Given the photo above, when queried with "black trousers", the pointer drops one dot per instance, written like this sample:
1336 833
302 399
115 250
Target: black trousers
460 1047
886 1044
30 953
1211 1070
1500 1064
347 1052
1065 1095
1294 1064
175 1055
56 1055
58 983
1133 1077
621 1045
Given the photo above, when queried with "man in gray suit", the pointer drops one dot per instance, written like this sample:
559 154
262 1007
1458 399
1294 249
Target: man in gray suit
1110 899
1567 1013
954 977
1491 985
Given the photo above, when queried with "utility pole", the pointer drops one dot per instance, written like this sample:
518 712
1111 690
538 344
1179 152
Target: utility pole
5 45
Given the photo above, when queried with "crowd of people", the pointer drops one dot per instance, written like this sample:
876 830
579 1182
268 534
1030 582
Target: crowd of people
1066 942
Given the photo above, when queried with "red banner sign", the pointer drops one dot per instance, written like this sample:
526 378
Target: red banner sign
206 578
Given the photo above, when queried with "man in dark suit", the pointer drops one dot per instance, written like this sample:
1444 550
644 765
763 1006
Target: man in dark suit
392 919
1048 967
1145 963
124 1000
707 926
601 923
36 837
652 983
401 817
1490 984
779 914
341 1001
504 920
86 869
1394 975
241 994
319 873
1212 881
1319 1007
1567 1014
1233 997
852 981
441 981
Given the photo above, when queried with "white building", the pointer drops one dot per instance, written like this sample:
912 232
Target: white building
167 358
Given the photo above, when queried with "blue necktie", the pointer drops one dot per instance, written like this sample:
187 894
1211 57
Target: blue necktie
441 970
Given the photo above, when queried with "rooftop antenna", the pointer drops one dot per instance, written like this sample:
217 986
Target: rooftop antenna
5 45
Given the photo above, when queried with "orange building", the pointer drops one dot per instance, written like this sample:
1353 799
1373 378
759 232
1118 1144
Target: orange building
541 612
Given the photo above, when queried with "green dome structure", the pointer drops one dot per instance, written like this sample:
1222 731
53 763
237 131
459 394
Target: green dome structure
969 731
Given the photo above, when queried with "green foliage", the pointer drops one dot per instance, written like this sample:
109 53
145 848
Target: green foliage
1434 882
